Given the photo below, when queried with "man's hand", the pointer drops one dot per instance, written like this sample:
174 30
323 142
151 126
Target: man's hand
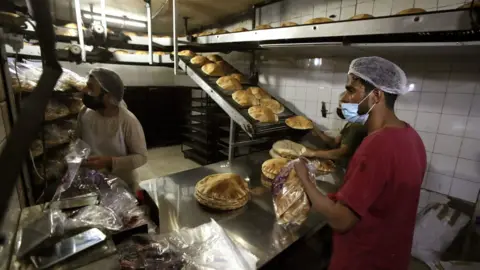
301 169
98 163
309 153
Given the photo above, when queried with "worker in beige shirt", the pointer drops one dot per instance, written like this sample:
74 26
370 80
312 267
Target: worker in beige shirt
114 134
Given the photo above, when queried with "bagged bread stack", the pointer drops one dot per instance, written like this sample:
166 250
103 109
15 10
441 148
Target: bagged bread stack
290 201
225 191
270 170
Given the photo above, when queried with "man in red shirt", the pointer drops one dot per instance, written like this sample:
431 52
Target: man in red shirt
373 214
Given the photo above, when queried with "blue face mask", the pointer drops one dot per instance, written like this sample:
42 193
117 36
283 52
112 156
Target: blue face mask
350 111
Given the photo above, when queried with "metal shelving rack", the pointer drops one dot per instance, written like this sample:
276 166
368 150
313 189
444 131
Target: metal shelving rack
201 133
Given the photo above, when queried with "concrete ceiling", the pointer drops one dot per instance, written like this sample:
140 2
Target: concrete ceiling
200 12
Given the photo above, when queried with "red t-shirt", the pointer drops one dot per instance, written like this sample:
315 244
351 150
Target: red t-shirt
382 186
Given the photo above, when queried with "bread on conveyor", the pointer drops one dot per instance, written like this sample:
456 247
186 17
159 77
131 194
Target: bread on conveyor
272 104
213 69
263 26
361 16
129 34
239 29
244 98
186 53
229 83
270 169
205 33
262 114
226 67
318 20
141 52
288 149
299 122
160 53
225 191
220 31
258 92
238 76
214 58
286 24
411 11
199 60
121 52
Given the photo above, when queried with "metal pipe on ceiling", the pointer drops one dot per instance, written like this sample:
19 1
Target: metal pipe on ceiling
104 17
175 40
78 14
149 29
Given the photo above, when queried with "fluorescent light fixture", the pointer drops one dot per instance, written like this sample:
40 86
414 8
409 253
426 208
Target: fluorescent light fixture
116 20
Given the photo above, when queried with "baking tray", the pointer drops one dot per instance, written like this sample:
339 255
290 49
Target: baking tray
224 99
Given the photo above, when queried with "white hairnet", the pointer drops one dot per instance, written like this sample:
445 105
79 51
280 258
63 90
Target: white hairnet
381 73
110 82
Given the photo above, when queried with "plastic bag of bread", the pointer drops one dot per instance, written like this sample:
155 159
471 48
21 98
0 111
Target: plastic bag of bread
24 75
55 110
70 80
290 201
56 135
36 148
74 104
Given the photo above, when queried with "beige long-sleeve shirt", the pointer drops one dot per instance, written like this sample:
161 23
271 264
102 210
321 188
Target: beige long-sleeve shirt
120 137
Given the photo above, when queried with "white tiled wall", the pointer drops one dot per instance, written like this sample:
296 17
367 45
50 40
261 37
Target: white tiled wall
444 106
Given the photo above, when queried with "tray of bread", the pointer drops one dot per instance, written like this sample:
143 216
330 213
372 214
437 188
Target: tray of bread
249 105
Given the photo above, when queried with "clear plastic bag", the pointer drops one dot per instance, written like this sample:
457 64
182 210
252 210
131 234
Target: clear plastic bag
204 247
435 229
142 252
56 135
290 201
70 80
97 216
79 151
209 247
24 76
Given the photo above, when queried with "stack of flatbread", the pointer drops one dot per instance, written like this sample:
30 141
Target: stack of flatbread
299 122
287 149
270 169
225 191
290 201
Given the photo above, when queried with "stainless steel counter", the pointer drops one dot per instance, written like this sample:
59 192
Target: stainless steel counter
254 226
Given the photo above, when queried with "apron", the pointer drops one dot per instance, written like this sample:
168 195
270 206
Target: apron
106 139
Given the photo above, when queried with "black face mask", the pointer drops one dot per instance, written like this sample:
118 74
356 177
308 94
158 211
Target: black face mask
340 113
94 103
